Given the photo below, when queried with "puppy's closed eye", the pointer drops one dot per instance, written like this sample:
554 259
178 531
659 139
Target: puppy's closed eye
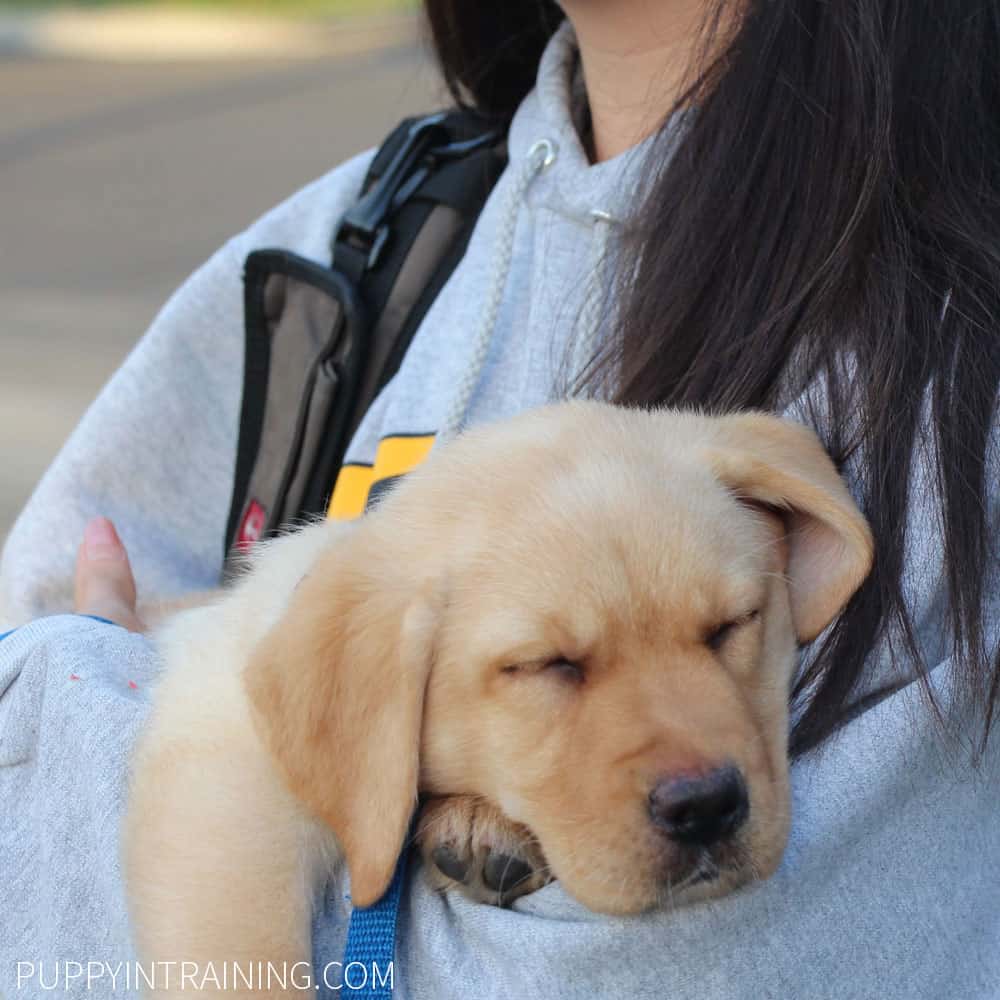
556 667
717 637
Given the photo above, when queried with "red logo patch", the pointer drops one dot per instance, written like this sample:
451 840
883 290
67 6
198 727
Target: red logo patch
252 526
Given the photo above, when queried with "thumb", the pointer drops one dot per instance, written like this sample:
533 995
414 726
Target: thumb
104 584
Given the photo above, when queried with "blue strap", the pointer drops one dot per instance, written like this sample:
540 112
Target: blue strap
371 941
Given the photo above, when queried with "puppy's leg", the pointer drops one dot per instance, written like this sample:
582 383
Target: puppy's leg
220 862
220 892
468 844
152 613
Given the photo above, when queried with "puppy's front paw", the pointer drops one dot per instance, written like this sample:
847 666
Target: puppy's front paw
469 844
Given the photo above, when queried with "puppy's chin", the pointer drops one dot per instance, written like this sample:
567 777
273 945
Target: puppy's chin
667 876
713 874
642 895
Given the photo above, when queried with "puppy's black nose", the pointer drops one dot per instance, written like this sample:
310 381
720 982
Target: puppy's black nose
700 810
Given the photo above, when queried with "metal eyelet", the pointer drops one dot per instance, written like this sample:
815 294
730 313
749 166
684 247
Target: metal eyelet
547 150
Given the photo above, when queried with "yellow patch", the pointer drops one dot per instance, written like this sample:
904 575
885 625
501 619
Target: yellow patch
395 457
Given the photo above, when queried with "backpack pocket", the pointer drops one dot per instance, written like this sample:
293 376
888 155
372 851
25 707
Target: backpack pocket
305 348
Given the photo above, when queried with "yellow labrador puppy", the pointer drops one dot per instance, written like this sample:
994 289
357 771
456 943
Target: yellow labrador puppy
581 623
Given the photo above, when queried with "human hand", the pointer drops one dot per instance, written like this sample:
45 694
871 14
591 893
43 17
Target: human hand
104 585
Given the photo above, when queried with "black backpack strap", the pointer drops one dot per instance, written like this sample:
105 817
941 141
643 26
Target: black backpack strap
403 238
321 343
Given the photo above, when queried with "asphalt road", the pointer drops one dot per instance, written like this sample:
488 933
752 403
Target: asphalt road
116 181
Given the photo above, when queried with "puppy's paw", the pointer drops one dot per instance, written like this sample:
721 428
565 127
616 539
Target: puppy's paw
470 845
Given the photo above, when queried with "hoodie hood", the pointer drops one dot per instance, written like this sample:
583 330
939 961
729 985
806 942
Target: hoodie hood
573 205
572 185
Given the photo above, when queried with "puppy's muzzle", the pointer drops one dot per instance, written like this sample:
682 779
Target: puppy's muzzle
700 810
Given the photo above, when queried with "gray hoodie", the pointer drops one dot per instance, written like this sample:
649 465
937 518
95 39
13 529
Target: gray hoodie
890 886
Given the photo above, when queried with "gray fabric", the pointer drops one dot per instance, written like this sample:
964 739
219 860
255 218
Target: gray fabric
435 236
68 709
891 884
321 402
301 320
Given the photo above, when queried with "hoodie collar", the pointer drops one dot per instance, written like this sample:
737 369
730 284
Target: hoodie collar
572 185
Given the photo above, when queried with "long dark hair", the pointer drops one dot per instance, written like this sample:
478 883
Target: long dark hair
836 200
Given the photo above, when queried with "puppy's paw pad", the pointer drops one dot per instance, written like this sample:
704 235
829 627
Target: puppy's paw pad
470 845
504 872
450 863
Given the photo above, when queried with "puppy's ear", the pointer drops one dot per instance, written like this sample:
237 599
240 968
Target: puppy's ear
782 464
337 691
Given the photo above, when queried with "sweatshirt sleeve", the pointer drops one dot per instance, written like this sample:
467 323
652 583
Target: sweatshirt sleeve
156 451
73 696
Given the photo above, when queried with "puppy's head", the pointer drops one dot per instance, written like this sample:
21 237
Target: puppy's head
588 615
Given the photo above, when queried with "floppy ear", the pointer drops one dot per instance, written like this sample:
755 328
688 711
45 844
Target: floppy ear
337 692
781 464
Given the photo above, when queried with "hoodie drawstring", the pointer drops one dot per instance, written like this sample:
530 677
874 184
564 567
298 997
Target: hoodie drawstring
540 156
592 312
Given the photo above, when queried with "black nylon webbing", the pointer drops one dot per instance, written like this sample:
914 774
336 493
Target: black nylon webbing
463 184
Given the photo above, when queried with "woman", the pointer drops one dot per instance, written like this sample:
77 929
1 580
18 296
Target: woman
790 204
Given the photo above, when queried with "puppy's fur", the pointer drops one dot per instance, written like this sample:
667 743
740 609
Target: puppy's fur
532 618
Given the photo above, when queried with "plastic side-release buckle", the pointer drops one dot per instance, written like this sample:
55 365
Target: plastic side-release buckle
365 227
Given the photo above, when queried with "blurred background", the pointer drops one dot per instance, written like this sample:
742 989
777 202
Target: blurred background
134 140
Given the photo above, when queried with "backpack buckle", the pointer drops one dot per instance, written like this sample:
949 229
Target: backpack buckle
364 227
